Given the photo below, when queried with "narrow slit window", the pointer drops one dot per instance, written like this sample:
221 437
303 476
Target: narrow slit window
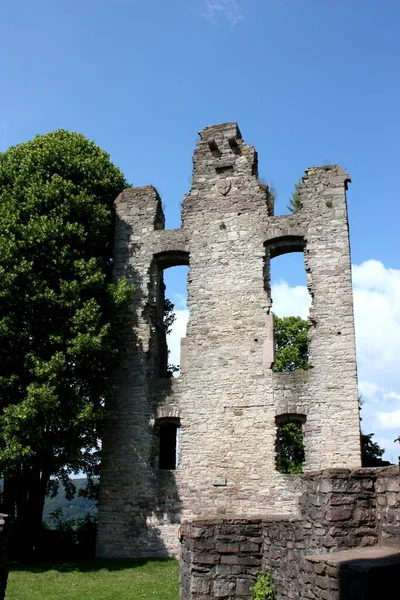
168 450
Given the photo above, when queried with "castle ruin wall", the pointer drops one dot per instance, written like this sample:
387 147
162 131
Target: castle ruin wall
227 399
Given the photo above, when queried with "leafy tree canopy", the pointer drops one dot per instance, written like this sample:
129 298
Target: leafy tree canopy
371 452
291 344
59 310
290 448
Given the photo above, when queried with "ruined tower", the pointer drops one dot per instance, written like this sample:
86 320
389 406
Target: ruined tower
204 443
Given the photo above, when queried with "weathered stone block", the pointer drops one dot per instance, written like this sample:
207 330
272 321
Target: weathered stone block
243 587
227 559
200 585
206 558
338 513
222 589
226 548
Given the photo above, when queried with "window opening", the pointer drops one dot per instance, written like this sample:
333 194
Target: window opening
174 315
168 446
290 454
290 301
289 292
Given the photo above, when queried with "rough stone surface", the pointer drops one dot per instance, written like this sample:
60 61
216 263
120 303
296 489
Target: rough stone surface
337 550
228 397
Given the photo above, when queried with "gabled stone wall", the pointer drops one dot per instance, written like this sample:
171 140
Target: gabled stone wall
227 397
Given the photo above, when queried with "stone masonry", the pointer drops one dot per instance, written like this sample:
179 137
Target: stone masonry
345 544
227 403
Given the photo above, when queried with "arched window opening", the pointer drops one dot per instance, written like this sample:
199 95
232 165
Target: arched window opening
176 316
290 456
170 274
289 300
168 451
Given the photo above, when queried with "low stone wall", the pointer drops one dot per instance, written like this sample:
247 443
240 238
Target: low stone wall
220 557
356 574
339 510
339 507
387 487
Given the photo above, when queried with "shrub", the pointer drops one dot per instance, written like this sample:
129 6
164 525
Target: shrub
263 589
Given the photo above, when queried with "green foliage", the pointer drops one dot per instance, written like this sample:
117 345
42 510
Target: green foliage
60 312
371 452
169 318
291 344
291 355
95 580
290 448
295 202
263 589
58 508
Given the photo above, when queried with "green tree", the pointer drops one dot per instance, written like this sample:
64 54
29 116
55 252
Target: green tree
371 452
291 447
295 202
169 318
291 344
59 314
291 354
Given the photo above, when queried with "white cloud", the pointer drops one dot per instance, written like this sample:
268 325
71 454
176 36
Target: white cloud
392 448
390 395
389 420
377 323
229 9
367 390
290 301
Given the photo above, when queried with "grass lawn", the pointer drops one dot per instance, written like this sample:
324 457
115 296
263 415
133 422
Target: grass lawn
95 580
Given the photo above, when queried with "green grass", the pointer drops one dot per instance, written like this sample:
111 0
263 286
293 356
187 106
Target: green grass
95 580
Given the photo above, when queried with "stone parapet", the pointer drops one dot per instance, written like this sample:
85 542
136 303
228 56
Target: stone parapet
337 550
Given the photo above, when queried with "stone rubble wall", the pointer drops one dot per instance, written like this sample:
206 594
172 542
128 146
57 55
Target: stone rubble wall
220 558
341 510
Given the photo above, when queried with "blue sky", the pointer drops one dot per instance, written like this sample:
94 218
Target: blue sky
309 82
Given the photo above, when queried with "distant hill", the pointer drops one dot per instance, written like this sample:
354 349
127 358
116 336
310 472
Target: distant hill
77 508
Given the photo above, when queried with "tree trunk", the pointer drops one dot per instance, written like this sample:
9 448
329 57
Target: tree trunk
24 497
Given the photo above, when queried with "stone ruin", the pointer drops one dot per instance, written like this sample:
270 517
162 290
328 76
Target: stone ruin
202 447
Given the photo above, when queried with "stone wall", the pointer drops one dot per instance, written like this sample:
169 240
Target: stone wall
342 531
228 398
358 574
220 557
